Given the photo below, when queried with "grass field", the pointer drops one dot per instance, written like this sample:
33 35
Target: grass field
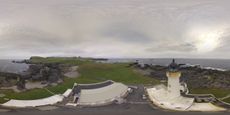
227 100
90 72
27 95
219 93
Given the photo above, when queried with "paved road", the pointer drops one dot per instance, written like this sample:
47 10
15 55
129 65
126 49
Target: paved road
125 109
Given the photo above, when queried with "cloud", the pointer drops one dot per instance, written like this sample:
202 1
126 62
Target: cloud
185 47
127 33
112 28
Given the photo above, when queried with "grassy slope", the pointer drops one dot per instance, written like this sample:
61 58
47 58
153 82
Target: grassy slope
90 73
31 94
95 72
118 72
227 100
219 93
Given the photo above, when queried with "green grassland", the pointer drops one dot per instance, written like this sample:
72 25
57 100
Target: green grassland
63 60
219 93
91 72
227 100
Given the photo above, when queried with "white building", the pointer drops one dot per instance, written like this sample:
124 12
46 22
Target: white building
169 97
173 88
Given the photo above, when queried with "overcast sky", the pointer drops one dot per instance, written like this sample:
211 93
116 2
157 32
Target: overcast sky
115 28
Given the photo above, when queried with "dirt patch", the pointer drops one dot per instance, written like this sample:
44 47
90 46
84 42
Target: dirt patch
29 85
72 73
33 85
14 88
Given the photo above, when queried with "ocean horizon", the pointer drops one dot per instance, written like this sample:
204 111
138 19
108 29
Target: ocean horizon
6 65
214 63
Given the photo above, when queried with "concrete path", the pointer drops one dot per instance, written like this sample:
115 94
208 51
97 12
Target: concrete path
228 96
34 103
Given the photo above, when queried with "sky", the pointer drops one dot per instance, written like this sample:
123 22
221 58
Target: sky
115 28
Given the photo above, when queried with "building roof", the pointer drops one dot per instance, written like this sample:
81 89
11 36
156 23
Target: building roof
102 95
173 66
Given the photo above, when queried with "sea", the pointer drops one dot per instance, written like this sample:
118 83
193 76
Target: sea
219 64
9 66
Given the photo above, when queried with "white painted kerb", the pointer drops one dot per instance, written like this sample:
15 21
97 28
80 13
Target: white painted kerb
34 103
67 92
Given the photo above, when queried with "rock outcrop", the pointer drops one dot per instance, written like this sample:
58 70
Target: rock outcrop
46 73
195 77
8 79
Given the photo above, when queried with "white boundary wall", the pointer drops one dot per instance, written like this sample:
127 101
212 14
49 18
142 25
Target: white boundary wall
159 97
102 96
67 93
34 103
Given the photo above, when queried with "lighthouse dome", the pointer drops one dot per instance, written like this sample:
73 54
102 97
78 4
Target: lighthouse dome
173 66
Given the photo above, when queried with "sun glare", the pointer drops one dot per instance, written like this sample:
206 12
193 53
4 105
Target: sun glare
207 42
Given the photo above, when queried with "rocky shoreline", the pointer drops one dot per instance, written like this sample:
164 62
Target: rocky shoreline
42 73
39 74
52 73
194 76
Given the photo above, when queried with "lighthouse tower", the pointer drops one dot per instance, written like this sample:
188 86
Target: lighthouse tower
173 74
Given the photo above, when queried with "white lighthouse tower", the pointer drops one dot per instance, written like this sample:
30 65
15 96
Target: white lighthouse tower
173 74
